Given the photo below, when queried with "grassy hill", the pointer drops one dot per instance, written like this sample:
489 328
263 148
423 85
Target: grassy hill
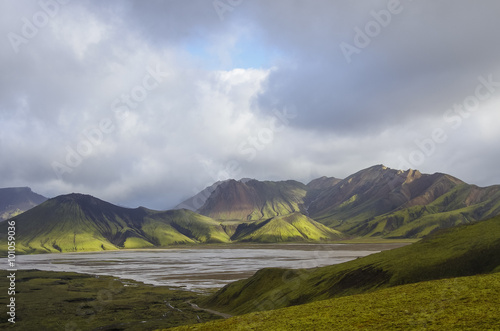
78 222
458 251
465 303
292 227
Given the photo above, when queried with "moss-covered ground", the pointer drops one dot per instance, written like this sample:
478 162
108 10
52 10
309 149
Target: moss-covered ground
466 303
69 301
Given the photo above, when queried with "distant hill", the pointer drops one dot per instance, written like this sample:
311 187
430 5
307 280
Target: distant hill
77 222
459 251
16 200
254 200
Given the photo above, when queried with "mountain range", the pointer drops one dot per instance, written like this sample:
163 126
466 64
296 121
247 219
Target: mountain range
374 202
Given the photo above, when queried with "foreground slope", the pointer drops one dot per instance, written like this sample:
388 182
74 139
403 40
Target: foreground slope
465 303
16 200
459 251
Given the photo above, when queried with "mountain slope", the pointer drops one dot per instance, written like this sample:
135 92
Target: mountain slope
317 186
198 200
458 251
379 201
16 200
465 303
292 227
461 205
254 200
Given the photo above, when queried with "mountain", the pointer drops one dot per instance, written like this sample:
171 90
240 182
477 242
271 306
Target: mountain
78 222
252 200
16 200
379 201
198 200
374 202
318 186
455 252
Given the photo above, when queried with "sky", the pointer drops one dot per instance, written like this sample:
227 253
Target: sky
146 103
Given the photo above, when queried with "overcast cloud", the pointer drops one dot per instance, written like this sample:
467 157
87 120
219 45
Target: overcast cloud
148 102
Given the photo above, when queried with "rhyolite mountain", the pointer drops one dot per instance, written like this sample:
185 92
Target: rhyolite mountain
198 200
375 202
16 200
249 200
380 201
78 222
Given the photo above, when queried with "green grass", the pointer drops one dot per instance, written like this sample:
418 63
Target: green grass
68 301
459 251
466 303
292 227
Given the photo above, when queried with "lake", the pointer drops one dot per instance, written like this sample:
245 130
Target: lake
198 268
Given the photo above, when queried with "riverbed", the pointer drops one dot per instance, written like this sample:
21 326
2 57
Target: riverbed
199 268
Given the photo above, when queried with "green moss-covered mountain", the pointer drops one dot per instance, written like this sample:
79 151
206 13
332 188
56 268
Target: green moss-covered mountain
459 251
77 222
374 202
389 203
16 200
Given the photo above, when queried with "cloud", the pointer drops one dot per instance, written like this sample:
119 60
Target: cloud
146 104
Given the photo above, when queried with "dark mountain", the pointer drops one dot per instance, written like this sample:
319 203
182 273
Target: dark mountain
16 200
317 186
254 200
197 201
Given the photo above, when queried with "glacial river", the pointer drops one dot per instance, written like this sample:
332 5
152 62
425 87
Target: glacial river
197 269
